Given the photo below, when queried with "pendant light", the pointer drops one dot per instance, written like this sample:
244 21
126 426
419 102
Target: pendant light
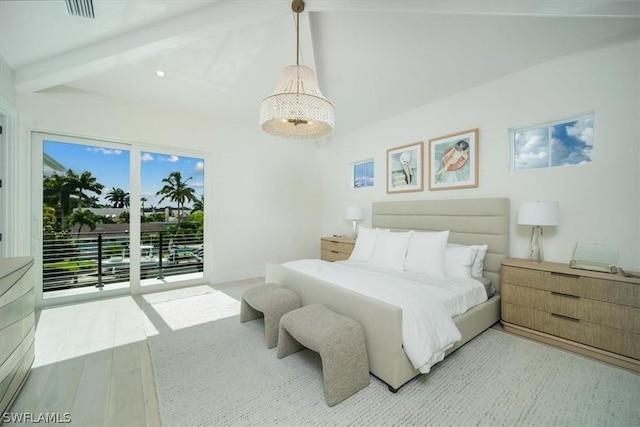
297 108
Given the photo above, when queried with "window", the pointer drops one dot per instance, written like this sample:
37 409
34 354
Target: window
560 143
363 174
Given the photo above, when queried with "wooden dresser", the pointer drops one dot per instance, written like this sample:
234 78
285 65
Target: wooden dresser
336 249
595 314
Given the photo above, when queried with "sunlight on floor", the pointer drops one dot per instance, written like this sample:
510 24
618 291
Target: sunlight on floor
181 309
76 330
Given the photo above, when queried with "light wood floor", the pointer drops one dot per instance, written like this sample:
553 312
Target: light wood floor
93 363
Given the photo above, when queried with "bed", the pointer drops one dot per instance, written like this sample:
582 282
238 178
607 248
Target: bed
469 221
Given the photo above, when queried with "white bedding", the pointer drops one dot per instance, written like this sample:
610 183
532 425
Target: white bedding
428 303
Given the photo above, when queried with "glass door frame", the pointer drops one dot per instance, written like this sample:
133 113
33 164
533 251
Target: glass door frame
134 286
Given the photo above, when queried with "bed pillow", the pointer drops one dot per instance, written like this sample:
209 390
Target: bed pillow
390 249
478 263
364 244
459 260
426 253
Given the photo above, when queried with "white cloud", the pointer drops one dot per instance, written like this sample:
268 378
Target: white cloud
197 184
199 168
146 157
531 149
582 130
171 159
105 151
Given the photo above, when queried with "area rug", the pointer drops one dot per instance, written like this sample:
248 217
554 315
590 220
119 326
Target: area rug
218 372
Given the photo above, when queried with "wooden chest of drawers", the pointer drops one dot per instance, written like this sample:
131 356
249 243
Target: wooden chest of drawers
336 249
596 314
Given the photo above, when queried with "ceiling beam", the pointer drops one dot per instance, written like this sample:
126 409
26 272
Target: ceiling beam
172 33
566 8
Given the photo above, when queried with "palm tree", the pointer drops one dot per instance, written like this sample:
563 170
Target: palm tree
118 197
176 190
83 217
87 182
198 205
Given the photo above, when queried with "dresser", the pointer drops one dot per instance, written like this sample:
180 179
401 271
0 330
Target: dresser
17 326
594 314
336 249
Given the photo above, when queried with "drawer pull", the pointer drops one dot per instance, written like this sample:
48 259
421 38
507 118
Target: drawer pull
573 276
560 294
335 252
560 316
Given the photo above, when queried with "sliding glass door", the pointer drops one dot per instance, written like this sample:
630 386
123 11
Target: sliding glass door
115 217
172 218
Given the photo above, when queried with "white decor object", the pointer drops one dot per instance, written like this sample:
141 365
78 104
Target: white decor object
538 214
355 214
297 108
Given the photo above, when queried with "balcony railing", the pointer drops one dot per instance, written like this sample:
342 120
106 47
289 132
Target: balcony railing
99 259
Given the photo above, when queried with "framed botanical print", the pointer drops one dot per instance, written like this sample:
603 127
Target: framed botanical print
453 161
405 168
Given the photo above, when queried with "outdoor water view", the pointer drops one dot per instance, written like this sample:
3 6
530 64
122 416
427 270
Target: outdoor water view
87 216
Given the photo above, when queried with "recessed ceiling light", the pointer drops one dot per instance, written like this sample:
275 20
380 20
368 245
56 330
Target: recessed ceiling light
160 73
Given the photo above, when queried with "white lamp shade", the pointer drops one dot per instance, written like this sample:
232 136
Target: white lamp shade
539 213
354 213
297 108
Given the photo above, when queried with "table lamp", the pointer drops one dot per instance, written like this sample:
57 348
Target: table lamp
538 214
354 213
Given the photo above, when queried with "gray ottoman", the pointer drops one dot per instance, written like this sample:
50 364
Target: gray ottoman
271 301
340 342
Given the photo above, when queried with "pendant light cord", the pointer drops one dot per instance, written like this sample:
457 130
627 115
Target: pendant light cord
297 37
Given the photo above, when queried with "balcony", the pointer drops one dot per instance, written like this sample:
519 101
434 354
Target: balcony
101 259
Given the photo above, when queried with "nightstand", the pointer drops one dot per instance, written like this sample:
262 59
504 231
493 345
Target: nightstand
591 313
336 249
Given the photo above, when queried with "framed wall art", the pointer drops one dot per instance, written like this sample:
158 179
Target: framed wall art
453 161
405 168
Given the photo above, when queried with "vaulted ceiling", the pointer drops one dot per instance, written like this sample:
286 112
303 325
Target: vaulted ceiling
374 59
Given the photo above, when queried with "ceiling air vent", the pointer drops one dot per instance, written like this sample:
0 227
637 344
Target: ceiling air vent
82 8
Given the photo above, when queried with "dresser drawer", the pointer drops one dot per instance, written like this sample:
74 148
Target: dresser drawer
333 256
593 311
599 336
588 287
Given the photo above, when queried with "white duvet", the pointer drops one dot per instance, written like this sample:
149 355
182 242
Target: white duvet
428 303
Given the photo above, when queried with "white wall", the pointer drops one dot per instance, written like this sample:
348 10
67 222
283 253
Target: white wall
265 191
7 88
598 202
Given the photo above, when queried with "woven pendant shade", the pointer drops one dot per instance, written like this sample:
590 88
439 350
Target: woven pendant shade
297 108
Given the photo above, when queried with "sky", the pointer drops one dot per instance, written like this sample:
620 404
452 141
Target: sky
561 144
111 168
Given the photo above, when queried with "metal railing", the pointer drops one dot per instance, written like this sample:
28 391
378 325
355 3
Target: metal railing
99 259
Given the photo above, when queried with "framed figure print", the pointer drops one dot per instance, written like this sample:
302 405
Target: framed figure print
453 161
405 168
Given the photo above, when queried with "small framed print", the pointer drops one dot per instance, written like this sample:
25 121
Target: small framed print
405 168
453 161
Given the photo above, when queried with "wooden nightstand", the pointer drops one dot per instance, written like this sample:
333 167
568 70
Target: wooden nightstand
591 313
336 249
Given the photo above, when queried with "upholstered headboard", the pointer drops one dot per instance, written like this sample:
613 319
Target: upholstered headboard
469 221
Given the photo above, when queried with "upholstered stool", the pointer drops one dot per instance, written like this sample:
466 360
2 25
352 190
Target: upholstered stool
340 342
271 301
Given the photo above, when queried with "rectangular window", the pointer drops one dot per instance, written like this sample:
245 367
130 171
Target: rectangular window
363 174
560 143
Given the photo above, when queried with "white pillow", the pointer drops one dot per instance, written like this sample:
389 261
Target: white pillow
390 249
459 260
364 244
477 270
426 251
